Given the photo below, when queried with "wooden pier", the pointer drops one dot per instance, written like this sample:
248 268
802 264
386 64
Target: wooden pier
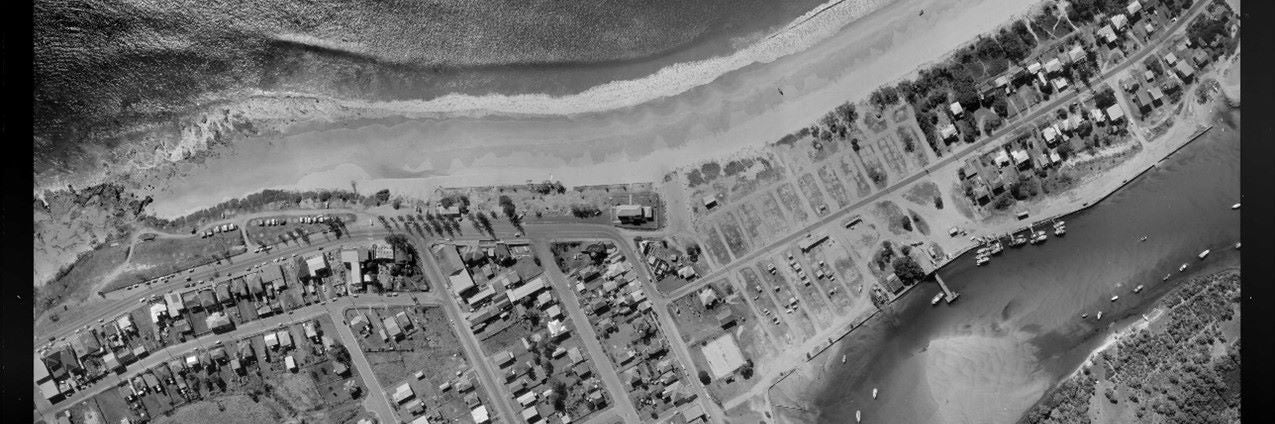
948 293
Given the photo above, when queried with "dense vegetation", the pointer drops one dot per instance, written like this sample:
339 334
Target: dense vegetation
1169 374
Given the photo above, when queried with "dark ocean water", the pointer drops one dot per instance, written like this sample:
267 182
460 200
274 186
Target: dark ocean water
102 66
1041 291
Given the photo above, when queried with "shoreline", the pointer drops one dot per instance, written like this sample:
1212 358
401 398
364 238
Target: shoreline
1191 119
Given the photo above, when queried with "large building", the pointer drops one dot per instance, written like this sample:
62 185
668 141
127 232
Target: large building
723 355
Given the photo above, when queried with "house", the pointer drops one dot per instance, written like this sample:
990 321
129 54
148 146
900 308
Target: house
1076 53
354 271
1020 159
1050 134
1053 67
1201 58
1096 115
461 282
631 214
452 211
708 297
1059 83
1033 68
272 340
290 363
1115 113
391 328
956 109
1133 8
947 132
557 329
240 287
1144 100
223 292
270 273
41 370
479 415
285 338
89 344
687 272
1149 27
174 304
694 414
1157 96
811 241
710 202
725 319
415 407
207 300
531 287
403 393
315 264
1119 22
1001 159
218 322
254 285
1171 58
125 324
1184 70
1107 34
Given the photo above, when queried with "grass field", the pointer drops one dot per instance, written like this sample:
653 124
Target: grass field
75 282
159 257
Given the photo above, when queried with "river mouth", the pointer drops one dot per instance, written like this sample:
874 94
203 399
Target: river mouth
1017 328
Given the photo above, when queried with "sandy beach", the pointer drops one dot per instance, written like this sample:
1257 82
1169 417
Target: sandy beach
619 132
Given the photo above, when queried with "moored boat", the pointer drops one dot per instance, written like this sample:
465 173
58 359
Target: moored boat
1137 289
1115 298
982 260
1203 254
937 298
1060 231
997 248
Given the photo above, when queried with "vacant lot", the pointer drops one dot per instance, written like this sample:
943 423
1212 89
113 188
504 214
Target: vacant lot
75 282
159 257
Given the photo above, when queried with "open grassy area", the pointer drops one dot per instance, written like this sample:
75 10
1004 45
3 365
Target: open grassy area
159 257
74 282
227 409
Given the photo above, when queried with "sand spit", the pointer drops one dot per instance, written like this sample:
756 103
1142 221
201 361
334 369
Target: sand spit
976 378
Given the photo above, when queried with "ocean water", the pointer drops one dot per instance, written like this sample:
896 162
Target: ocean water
1017 329
104 66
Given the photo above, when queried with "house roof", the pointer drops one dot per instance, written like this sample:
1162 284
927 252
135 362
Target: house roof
723 355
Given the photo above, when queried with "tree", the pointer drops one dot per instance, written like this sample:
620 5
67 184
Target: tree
746 370
704 378
1000 106
847 113
908 271
382 196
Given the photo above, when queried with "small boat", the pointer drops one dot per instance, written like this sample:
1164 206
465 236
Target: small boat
1018 241
1237 245
1183 267
1203 254
922 12
1060 223
843 359
1060 231
1144 238
937 298
997 248
1137 289
984 250
874 392
1084 316
1115 298
982 260
858 415
1099 315
1039 237
1235 206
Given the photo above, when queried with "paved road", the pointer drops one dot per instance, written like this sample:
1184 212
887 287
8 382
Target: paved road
499 397
1109 77
248 329
376 400
120 302
584 330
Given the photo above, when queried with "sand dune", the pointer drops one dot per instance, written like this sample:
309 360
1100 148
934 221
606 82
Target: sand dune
981 379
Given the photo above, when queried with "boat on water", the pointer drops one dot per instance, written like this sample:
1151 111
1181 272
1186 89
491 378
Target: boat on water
1060 223
1084 315
997 248
1183 267
1235 206
874 392
843 359
1137 289
1060 231
1237 245
1099 315
858 415
1018 241
982 260
1039 237
1144 238
1166 277
937 298
1203 254
984 250
1115 298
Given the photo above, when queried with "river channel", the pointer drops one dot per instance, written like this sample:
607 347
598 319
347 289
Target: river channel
1017 327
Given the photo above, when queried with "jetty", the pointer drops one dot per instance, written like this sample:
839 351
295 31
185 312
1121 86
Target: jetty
948 293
